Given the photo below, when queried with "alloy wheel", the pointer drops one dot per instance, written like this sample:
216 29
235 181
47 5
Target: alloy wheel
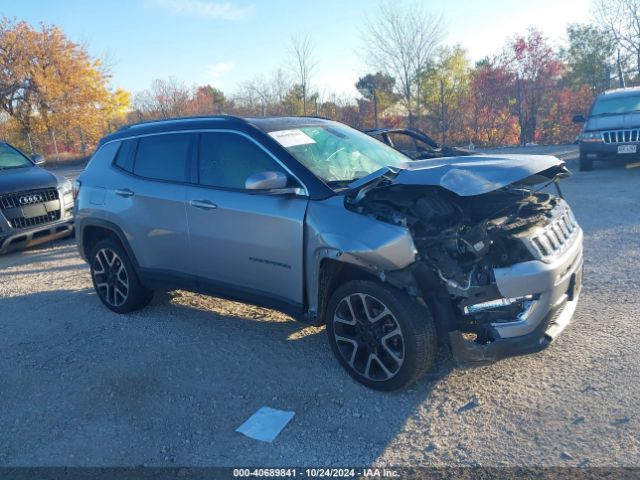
110 277
368 336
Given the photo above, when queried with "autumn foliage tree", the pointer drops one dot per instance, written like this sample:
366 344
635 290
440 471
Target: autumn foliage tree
537 69
52 89
490 119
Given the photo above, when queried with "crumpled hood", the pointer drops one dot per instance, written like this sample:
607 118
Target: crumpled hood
613 122
467 176
28 178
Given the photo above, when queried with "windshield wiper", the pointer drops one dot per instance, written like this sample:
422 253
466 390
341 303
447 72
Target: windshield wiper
14 166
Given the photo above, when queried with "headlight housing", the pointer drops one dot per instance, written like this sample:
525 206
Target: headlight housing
591 137
66 187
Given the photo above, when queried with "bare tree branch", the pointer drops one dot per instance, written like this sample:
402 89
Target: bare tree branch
304 64
401 41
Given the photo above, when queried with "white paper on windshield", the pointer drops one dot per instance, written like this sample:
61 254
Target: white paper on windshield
291 138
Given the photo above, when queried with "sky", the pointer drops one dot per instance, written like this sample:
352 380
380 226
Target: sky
227 42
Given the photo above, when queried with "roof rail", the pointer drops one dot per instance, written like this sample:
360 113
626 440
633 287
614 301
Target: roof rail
180 119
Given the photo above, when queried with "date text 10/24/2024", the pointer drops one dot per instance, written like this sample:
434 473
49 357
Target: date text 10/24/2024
315 473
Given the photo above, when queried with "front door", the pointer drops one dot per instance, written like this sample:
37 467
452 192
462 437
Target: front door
243 241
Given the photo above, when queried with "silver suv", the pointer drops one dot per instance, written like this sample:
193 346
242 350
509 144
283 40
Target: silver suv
322 222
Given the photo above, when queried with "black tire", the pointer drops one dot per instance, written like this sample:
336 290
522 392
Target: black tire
107 257
586 164
400 359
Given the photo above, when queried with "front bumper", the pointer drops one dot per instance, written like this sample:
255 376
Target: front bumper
20 239
608 151
556 287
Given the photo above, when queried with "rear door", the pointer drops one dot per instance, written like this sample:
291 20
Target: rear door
149 199
244 241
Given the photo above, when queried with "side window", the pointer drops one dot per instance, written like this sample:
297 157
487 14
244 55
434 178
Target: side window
163 157
227 159
105 153
124 158
404 143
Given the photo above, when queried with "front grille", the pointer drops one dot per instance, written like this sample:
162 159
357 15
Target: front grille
621 136
22 222
554 238
15 205
30 197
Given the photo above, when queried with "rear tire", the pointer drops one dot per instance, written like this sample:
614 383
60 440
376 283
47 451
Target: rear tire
380 335
586 164
115 279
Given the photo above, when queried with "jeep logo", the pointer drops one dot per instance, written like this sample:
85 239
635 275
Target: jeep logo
29 199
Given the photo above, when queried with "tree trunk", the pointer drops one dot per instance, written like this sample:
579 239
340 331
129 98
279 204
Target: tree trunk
304 100
55 145
620 75
375 110
521 122
28 135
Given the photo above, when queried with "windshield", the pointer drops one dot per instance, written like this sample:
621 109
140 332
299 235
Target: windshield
616 105
337 154
11 158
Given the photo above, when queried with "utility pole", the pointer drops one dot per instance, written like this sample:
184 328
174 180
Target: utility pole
443 113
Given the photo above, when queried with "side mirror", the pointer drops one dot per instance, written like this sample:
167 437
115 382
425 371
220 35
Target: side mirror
266 181
38 159
274 183
579 118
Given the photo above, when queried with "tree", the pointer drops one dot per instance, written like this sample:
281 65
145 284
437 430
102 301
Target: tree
621 19
556 125
489 106
206 100
117 108
50 84
589 56
378 88
304 64
401 42
165 99
445 85
537 69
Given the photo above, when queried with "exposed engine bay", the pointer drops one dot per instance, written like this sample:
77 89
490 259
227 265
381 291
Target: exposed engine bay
462 239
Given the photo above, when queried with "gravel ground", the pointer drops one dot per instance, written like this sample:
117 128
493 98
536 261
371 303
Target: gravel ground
168 386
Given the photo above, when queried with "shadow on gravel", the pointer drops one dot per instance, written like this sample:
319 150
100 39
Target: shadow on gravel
56 250
170 384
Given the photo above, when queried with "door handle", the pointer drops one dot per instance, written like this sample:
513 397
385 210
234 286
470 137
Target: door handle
124 192
203 204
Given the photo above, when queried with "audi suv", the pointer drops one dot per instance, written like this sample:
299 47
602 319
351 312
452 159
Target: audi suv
36 205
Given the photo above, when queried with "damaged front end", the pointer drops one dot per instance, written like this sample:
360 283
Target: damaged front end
497 261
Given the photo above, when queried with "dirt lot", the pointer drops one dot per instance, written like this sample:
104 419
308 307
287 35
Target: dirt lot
169 385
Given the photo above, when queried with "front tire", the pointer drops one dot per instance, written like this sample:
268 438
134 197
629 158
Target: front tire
380 335
586 164
115 279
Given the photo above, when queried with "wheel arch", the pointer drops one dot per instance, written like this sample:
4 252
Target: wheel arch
334 273
94 230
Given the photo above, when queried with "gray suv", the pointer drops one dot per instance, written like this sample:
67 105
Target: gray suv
322 222
36 205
